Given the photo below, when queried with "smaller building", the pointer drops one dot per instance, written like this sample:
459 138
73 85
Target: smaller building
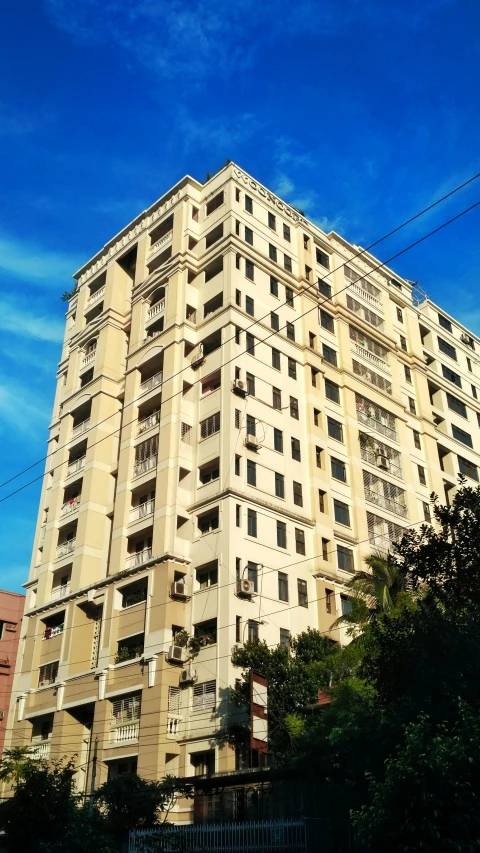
11 612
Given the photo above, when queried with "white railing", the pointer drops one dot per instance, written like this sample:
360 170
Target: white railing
173 725
153 382
142 510
123 733
164 241
358 289
53 632
87 359
65 548
148 422
76 465
386 503
79 428
373 423
156 309
97 295
365 353
138 558
40 748
60 592
145 465
70 506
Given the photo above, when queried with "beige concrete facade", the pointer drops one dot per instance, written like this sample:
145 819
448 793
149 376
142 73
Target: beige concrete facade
158 499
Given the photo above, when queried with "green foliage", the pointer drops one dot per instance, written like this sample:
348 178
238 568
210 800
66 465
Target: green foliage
15 764
67 295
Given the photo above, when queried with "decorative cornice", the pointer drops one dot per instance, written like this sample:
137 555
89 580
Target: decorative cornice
267 195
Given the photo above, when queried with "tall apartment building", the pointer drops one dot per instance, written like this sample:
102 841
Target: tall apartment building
246 407
11 612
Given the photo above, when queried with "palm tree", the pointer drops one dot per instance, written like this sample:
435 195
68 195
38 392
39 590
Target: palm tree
375 590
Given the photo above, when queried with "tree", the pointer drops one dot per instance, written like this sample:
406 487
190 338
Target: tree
378 589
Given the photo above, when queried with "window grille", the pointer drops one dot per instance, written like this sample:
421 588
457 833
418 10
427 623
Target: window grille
375 417
174 700
384 494
204 694
365 313
186 433
375 452
370 376
126 709
48 673
368 343
146 449
356 278
210 425
382 533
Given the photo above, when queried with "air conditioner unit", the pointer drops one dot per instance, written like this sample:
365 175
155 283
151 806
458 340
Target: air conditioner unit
252 441
239 388
245 587
188 676
383 462
198 356
177 654
179 589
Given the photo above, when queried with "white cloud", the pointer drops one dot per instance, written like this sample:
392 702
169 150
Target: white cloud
21 409
36 264
23 323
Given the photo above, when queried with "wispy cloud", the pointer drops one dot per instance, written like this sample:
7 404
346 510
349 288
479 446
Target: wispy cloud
21 409
35 263
22 322
307 201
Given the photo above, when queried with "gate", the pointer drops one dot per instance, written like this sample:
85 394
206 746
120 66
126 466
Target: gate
259 837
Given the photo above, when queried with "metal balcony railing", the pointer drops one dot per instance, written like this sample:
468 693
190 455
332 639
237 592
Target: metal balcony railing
145 465
386 503
152 382
59 592
65 548
377 425
82 427
70 506
142 510
138 558
372 458
76 465
97 295
148 422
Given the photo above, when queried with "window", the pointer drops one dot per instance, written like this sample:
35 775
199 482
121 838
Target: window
300 541
308 272
469 364
322 258
426 512
238 629
281 534
208 521
278 440
253 635
214 235
272 221
275 358
249 269
237 418
290 331
287 262
237 227
332 391
416 439
250 384
252 522
251 472
344 600
248 204
289 297
421 476
252 574
399 315
211 383
282 586
403 342
284 638
237 335
238 515
209 472
292 368
251 425
214 203
302 593
273 286
237 261
447 348
286 232
329 354
126 709
294 408
408 374
329 600
274 321
326 320
335 429
250 344
341 512
321 500
411 406
316 417
324 288
249 306
48 673
238 568
204 697
312 340
445 323
467 468
210 425
296 449
279 485
325 549
474 391
306 241
345 559
207 575
315 373
339 471
272 252
248 235
462 436
277 398
456 405
318 457
297 494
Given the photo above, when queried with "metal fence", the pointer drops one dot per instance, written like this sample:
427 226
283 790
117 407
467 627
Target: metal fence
259 837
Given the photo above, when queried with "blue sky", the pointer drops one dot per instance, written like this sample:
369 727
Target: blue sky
359 113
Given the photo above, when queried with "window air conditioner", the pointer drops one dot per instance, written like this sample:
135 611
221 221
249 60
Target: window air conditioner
252 442
179 589
188 676
177 654
239 388
383 462
198 356
245 587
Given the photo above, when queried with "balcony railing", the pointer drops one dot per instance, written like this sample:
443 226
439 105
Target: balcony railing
97 295
156 309
88 358
76 465
372 458
40 748
173 725
148 422
145 465
123 733
365 353
142 510
164 241
78 429
59 592
138 558
356 288
386 503
53 632
377 425
65 548
70 506
152 382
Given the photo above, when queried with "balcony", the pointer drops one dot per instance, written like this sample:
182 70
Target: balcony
173 726
124 733
53 632
88 359
138 558
40 748
152 382
378 426
96 296
372 458
141 511
162 243
80 428
145 465
156 309
364 294
365 353
70 506
76 465
148 422
60 592
65 548
386 503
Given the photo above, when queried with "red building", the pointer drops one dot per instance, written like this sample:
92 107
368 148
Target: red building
11 612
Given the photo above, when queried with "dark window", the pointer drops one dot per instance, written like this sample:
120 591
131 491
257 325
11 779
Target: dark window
296 449
253 634
237 261
237 418
86 377
238 629
403 342
274 321
276 358
306 241
322 258
332 391
299 541
335 429
297 494
326 321
278 440
329 354
250 343
272 222
277 398
289 297
408 374
283 586
399 315
252 522
248 204
421 476
462 436
342 513
238 510
294 407
315 373
318 456
416 439
209 472
237 335
329 600
474 392
411 405
469 364
272 252
467 468
447 348
251 472
273 286
214 202
445 323
324 288
344 600
249 306
325 551
208 521
286 232
252 574
279 485
345 558
249 269
237 227
287 262
302 593
238 297
292 368
210 425
312 340
248 235
207 575
321 500
290 331
426 512
284 638
281 534
339 471
250 385
316 417
451 376
251 425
